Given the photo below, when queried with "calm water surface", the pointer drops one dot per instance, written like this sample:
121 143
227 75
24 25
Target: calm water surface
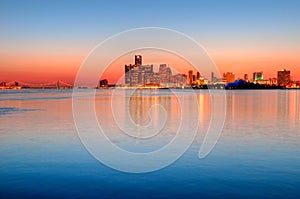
257 155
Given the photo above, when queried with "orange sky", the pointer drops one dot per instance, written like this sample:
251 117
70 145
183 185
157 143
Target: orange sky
39 68
44 41
47 67
116 69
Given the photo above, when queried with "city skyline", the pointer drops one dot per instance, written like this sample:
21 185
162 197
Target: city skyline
46 41
245 77
150 99
141 74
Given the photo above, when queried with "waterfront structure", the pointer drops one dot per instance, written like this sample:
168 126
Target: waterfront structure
3 84
141 75
213 79
284 77
103 83
138 74
132 76
258 76
165 74
128 71
198 75
229 77
246 78
145 72
138 60
190 77
273 81
180 79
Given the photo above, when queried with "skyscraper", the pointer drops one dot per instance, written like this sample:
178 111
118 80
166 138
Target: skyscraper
148 73
134 76
190 78
128 73
258 76
194 78
138 60
198 75
169 74
229 77
143 75
212 77
283 77
103 83
246 78
163 73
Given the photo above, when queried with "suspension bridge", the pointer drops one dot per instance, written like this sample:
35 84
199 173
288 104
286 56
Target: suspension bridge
16 84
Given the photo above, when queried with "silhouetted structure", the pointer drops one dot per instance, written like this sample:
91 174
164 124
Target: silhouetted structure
283 77
213 79
190 77
103 83
258 76
138 60
198 75
144 76
229 77
242 84
246 78
3 84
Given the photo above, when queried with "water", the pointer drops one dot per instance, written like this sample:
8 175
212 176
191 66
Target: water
257 155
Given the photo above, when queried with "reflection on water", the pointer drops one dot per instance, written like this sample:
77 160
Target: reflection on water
140 105
258 154
264 109
151 118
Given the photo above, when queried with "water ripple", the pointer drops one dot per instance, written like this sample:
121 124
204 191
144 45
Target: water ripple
12 110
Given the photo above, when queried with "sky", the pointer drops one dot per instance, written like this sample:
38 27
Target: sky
48 40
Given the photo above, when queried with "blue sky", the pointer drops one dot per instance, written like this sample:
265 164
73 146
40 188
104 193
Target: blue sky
77 26
78 19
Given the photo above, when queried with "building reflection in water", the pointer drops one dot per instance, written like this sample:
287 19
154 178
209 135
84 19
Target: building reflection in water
262 109
149 109
140 117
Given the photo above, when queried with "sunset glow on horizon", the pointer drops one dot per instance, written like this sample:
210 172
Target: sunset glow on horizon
48 41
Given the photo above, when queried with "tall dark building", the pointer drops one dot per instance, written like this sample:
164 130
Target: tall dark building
131 71
143 75
194 78
3 84
198 75
229 77
138 60
164 73
258 76
128 69
138 74
169 74
190 77
246 78
103 83
284 77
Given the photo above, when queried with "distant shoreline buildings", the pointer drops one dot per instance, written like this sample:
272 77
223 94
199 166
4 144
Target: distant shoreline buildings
143 76
16 85
139 75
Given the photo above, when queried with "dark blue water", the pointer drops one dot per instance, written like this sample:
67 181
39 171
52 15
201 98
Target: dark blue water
257 155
